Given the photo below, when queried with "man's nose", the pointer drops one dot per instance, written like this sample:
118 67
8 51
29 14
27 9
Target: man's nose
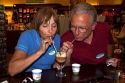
77 31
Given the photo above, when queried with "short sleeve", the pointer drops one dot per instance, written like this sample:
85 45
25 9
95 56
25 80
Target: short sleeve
23 43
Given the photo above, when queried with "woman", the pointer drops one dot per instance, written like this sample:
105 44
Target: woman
34 48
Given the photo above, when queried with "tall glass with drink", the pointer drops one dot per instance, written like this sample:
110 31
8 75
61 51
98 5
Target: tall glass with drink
61 58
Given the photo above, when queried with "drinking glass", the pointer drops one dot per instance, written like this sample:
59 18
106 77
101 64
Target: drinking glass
61 58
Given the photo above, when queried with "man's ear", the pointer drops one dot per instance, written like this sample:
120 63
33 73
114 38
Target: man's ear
93 26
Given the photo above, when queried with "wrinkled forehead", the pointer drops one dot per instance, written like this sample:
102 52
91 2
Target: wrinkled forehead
83 18
81 12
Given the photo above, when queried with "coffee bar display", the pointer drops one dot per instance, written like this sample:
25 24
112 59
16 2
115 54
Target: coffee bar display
24 13
2 17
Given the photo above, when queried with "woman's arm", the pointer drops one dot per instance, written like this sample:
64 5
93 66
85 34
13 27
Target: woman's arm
20 61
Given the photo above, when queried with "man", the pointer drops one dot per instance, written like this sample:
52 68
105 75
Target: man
88 42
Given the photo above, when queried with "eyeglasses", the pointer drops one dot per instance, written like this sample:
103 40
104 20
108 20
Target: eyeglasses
79 28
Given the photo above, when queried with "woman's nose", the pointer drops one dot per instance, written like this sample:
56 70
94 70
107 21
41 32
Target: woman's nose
50 30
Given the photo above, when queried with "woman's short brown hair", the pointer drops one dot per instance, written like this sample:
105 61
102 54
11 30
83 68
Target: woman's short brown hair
44 15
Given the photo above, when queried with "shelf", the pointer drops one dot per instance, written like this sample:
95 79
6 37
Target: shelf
2 17
24 13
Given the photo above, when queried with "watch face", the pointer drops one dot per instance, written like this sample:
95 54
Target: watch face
100 55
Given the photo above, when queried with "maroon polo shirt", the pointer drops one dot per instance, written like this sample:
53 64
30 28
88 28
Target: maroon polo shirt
84 53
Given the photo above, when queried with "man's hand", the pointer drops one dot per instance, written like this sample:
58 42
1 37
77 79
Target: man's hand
113 62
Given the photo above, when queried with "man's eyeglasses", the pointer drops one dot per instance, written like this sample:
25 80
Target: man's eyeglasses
79 28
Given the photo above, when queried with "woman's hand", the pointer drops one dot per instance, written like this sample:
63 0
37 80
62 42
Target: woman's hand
45 44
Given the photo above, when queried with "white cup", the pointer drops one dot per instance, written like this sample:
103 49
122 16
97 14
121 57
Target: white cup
75 68
36 73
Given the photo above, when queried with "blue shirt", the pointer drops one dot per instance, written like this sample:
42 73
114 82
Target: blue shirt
29 42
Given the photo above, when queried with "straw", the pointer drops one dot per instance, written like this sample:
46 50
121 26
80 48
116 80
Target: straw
72 40
54 47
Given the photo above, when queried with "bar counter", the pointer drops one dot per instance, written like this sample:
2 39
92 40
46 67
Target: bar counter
88 74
